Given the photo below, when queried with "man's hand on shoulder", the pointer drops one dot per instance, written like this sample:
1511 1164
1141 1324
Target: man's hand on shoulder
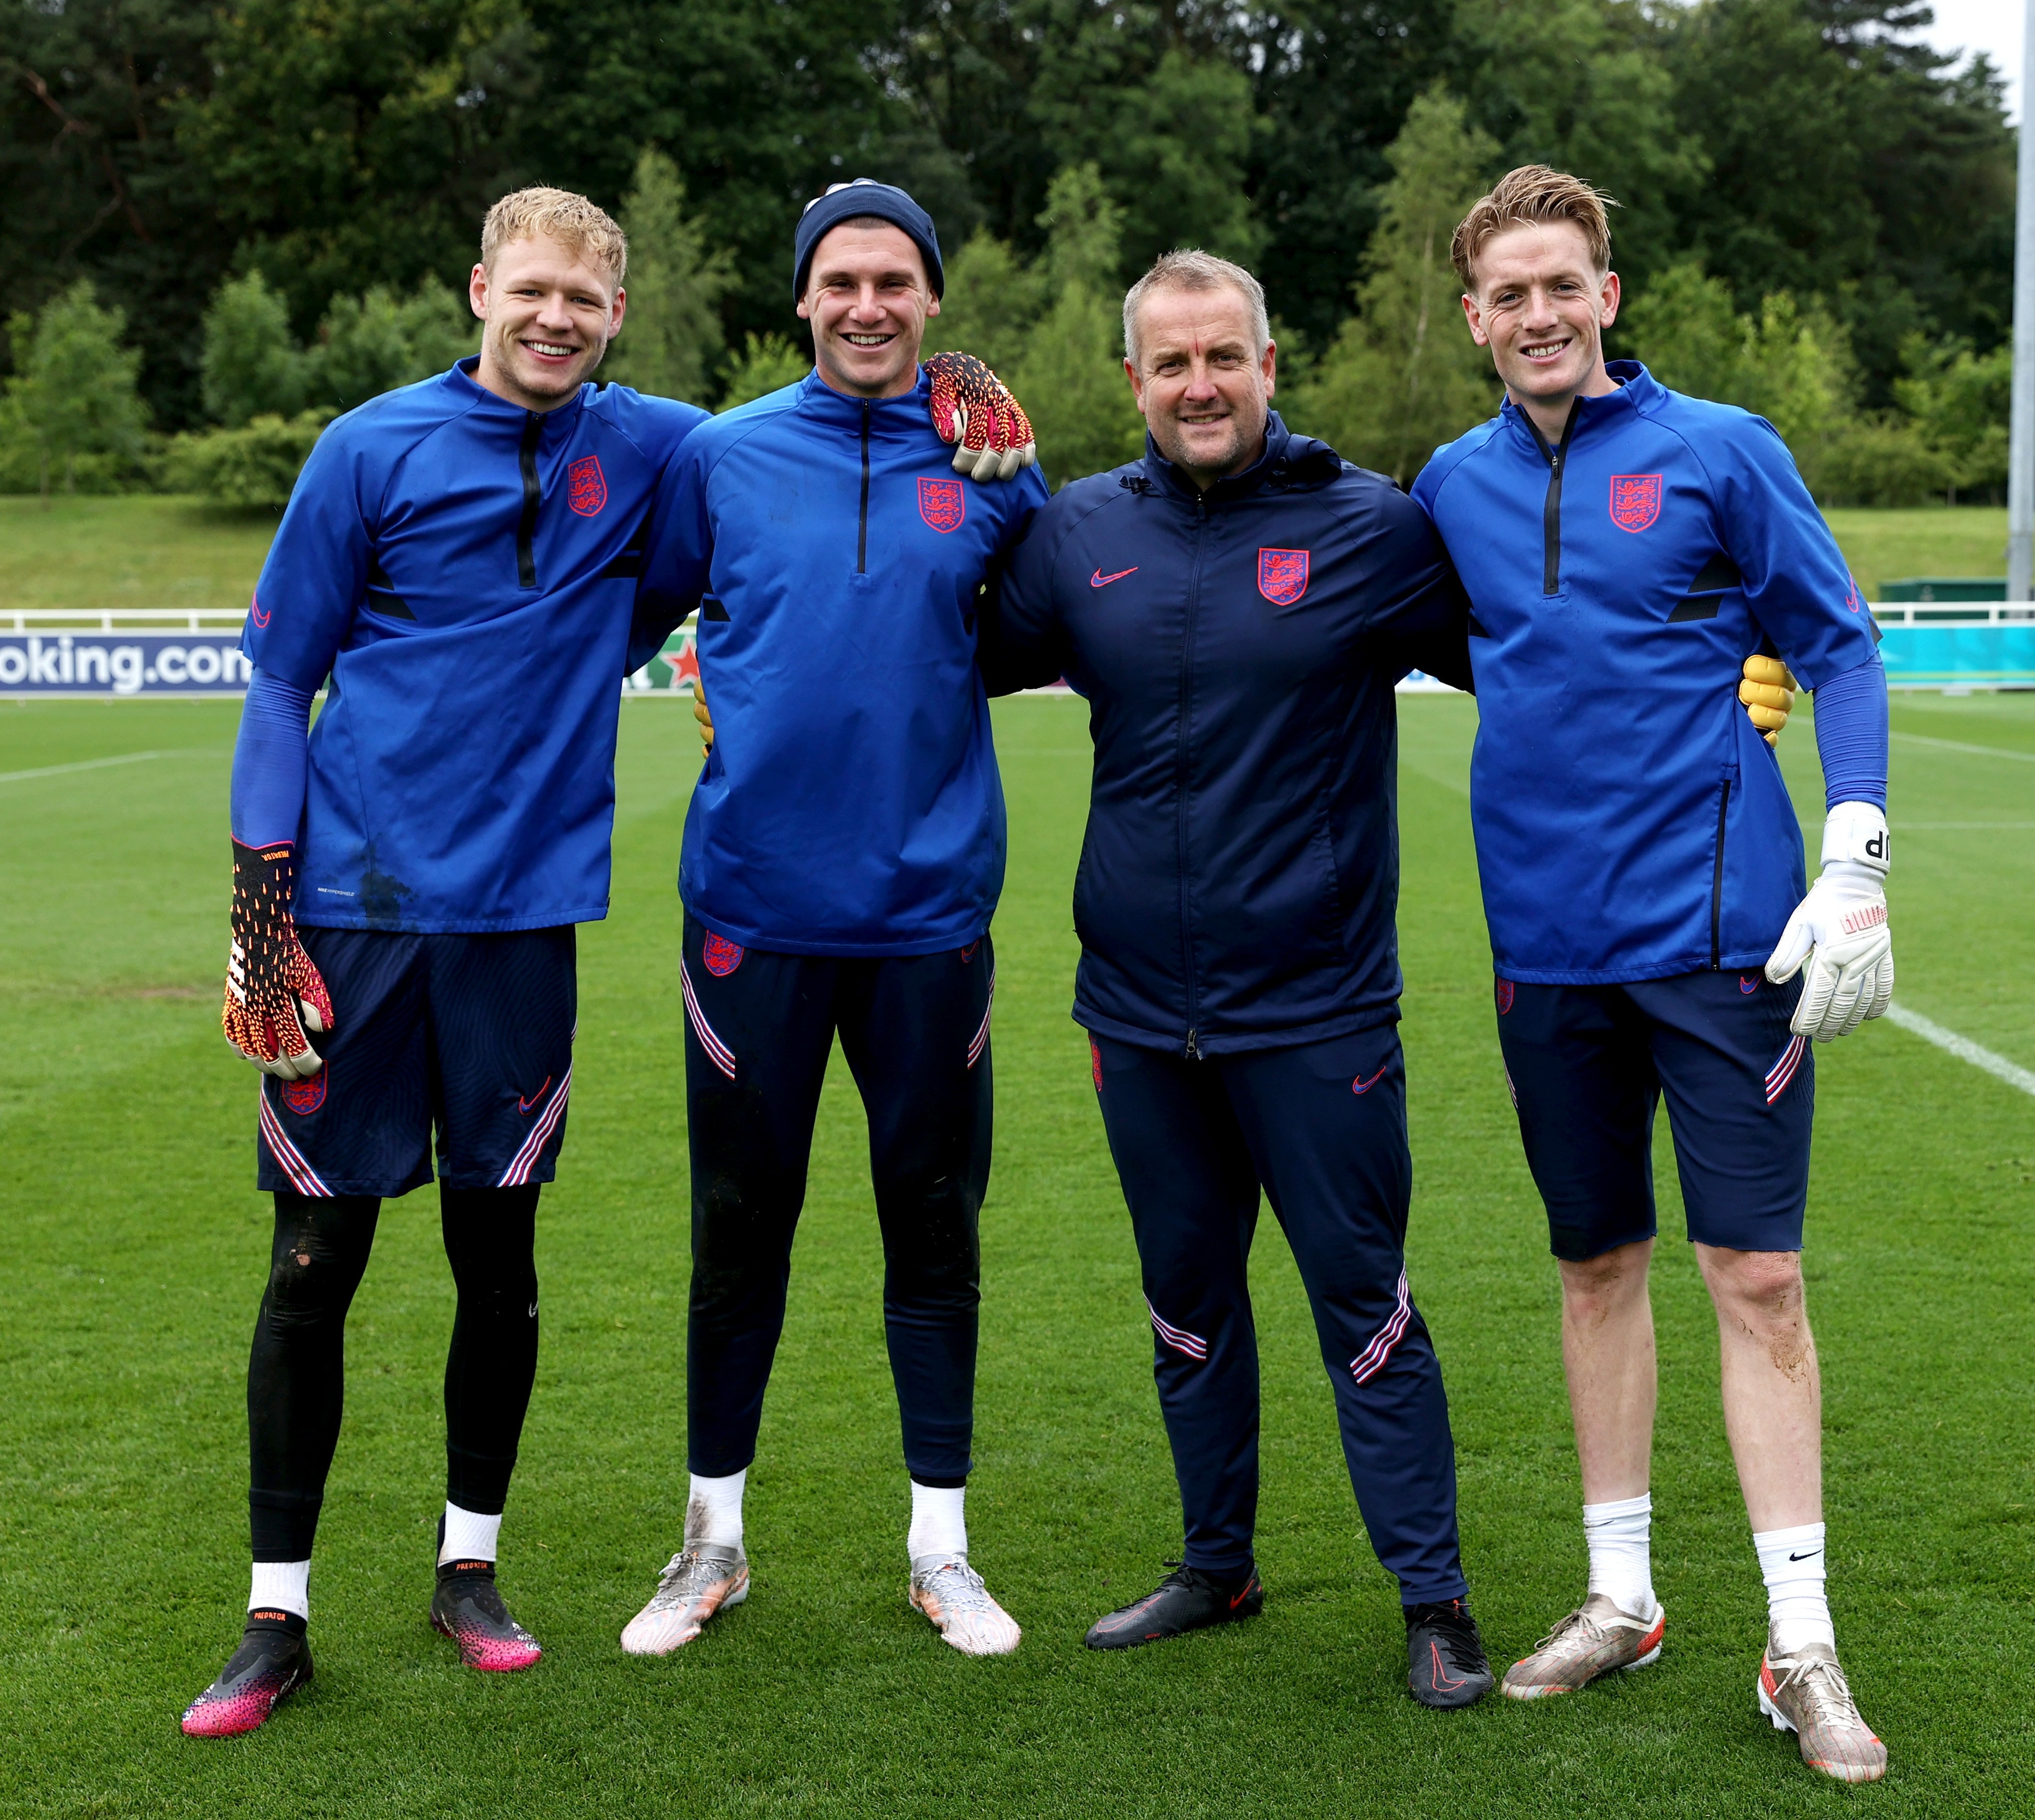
704 719
1840 929
273 991
1768 691
974 410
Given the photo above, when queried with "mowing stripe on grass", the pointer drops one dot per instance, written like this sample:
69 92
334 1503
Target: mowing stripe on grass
1962 1047
1959 746
95 764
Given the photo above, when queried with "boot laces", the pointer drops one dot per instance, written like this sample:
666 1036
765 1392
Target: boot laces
1823 1686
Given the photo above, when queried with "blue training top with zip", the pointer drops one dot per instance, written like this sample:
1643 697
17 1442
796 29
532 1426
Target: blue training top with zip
465 570
1631 822
851 804
1238 648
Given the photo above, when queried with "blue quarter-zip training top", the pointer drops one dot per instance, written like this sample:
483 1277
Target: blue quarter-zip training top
465 570
1238 648
851 804
1631 823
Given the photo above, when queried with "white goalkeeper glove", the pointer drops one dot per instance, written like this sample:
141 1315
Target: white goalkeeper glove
1839 929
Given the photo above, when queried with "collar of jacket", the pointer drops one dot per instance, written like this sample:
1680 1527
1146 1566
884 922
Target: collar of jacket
1637 391
1288 462
491 407
818 402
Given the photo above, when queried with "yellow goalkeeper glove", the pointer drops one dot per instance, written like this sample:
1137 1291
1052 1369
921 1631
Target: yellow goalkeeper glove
1768 692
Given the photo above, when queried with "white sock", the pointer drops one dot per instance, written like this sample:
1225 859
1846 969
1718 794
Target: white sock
281 1586
469 1536
713 1510
938 1526
1620 1534
1792 1562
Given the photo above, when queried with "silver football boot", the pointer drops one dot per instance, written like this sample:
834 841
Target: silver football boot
700 1579
951 1593
1807 1693
1592 1640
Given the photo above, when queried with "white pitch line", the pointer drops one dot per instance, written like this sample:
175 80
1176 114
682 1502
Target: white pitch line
1962 1047
1959 746
93 764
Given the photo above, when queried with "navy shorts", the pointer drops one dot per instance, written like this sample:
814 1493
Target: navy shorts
468 1034
1587 1066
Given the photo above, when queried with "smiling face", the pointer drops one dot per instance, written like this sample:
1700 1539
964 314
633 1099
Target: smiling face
549 316
867 298
1204 388
1541 306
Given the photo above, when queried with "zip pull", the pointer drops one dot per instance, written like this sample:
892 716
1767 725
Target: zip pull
1193 1047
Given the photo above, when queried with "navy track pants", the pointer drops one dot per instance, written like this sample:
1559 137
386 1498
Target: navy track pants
1322 1127
915 1030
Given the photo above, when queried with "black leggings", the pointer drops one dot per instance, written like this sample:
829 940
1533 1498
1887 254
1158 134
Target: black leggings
296 1376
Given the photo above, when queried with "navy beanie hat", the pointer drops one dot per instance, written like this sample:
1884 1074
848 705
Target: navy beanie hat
865 196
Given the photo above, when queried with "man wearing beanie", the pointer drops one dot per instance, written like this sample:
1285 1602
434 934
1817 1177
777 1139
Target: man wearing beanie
841 865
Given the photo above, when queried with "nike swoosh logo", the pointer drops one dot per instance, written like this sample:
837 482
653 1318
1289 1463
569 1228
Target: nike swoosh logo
1812 1554
1250 1587
523 1106
1099 579
1366 1086
1442 1678
261 619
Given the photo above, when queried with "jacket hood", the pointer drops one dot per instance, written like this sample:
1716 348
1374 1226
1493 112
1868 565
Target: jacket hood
1289 463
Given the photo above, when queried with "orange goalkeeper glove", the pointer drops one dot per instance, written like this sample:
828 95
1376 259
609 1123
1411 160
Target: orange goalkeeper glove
974 410
272 990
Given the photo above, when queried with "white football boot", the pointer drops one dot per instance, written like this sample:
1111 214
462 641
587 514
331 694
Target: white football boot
951 1593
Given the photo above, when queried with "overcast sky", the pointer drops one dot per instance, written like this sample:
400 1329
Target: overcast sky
1992 26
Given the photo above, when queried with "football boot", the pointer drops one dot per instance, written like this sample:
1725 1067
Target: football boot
272 1662
1807 1693
951 1593
1186 1599
467 1606
1592 1640
698 1581
1445 1665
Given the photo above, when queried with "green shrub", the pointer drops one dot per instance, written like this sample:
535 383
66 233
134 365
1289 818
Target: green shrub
256 464
70 416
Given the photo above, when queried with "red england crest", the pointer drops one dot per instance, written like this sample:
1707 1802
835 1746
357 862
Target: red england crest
1635 501
722 956
303 1097
942 504
1282 575
1505 994
586 487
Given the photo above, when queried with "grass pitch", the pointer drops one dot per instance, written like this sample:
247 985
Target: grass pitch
134 1247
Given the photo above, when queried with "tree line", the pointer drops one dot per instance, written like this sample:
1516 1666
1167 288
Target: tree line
258 214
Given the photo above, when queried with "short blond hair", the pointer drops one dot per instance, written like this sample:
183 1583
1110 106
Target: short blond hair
559 214
1189 268
1529 197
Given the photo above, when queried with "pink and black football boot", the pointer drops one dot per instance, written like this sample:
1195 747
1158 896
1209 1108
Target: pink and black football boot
468 1608
274 1660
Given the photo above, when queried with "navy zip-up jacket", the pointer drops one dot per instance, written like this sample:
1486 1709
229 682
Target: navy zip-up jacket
1238 650
851 804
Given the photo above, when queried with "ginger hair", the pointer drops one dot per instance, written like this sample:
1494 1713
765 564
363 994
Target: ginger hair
1529 197
559 214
